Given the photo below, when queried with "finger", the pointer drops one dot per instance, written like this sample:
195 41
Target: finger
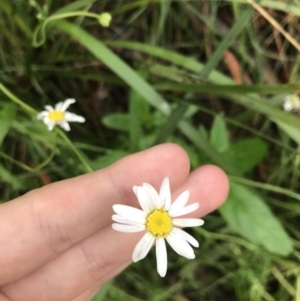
99 257
3 298
44 223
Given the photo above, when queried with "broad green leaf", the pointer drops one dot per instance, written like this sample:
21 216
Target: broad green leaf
247 214
203 132
117 121
108 159
218 158
219 135
7 117
246 153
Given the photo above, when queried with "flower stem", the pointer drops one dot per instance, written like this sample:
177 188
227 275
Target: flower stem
17 100
75 150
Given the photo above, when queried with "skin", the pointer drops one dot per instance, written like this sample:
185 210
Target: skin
58 240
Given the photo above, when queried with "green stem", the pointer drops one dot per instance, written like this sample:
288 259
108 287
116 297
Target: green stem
12 160
28 168
75 150
265 187
17 100
38 41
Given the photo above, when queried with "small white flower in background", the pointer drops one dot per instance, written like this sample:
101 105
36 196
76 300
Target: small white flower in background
58 115
291 103
160 219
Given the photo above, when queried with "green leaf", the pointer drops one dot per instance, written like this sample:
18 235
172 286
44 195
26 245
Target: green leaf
74 6
246 153
7 177
247 214
173 57
290 130
103 291
135 81
7 117
108 159
219 135
117 121
138 111
203 132
131 77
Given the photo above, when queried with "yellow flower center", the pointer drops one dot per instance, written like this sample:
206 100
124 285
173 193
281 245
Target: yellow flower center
56 116
159 223
295 100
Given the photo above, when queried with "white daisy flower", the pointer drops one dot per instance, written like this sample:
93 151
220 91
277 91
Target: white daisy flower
58 115
160 219
291 103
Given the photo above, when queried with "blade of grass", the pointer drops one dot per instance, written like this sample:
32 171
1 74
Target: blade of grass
140 85
227 41
171 123
236 89
265 186
17 100
74 6
214 60
173 57
282 6
251 102
7 117
116 64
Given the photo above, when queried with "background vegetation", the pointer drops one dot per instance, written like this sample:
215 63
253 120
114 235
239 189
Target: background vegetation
208 75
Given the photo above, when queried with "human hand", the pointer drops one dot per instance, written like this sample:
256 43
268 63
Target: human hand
57 243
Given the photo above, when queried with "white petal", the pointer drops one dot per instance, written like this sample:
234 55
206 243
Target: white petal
50 125
127 211
161 257
153 196
143 247
46 120
144 200
71 117
134 188
42 115
128 228
179 203
187 222
186 210
67 103
189 238
287 106
49 108
180 246
58 106
165 193
130 220
65 125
